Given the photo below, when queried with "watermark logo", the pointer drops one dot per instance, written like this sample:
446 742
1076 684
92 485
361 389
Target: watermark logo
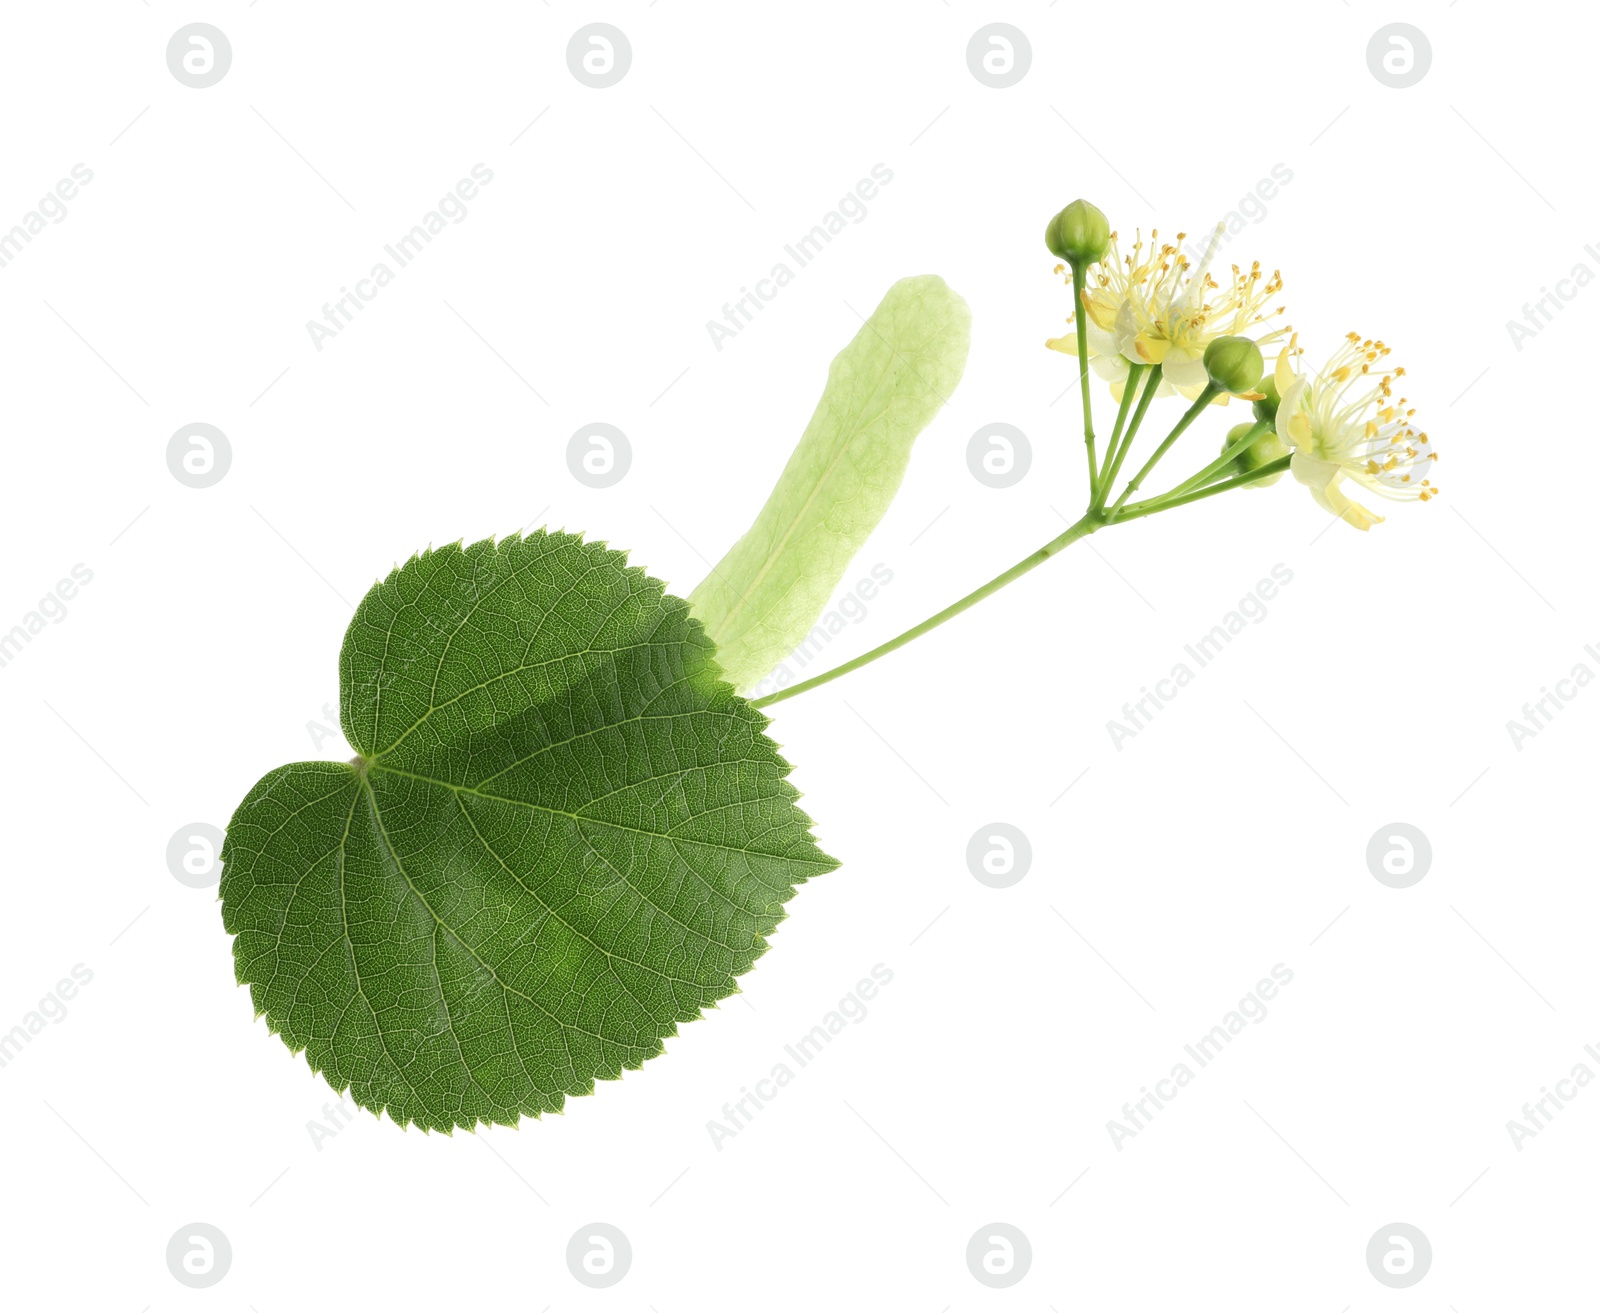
199 455
1539 1113
1539 315
52 607
1540 713
337 1117
738 1114
849 608
999 1255
1399 1255
51 1008
999 455
451 208
999 855
599 1255
1138 1114
599 455
192 855
199 55
199 1255
1399 55
51 206
1140 713
1399 855
325 730
999 55
849 209
1251 208
599 55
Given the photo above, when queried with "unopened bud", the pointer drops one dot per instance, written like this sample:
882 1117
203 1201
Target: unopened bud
1079 234
1234 364
1266 409
1263 451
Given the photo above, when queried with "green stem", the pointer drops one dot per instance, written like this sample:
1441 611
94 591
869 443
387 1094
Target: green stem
1130 386
1092 521
1200 403
1166 503
1083 370
1151 383
1222 462
1082 529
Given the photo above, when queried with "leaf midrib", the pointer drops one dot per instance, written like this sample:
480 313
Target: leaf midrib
577 816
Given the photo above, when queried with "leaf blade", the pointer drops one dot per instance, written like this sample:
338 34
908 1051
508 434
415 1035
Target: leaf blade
565 837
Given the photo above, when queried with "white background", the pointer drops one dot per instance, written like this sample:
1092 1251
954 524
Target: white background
1172 874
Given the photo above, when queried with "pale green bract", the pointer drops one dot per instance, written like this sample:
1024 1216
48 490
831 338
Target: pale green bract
565 835
764 596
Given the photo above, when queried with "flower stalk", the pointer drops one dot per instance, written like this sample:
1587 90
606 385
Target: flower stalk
1207 394
1083 378
1114 467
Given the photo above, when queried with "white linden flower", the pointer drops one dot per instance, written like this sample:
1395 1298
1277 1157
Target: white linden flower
1156 309
1336 430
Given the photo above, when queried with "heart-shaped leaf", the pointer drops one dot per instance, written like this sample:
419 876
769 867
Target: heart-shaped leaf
564 835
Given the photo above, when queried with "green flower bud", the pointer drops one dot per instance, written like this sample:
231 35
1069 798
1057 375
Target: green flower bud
1263 451
1079 234
1267 408
1234 364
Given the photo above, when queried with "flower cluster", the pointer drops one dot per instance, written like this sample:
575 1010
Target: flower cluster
1152 319
1153 307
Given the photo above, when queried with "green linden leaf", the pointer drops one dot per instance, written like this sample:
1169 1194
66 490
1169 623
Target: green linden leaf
762 598
565 834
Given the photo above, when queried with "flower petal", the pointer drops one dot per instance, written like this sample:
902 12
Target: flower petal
1184 369
1102 311
1283 374
1293 425
1353 513
1113 367
1315 474
1323 478
1127 330
1151 350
